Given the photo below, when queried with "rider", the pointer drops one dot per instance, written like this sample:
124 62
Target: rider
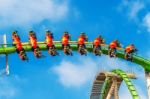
49 39
129 50
49 42
97 43
113 46
65 40
33 41
81 40
18 44
16 41
14 34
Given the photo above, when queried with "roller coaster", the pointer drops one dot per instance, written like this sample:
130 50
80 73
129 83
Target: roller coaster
106 84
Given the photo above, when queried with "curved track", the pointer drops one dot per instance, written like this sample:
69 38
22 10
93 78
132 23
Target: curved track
128 82
103 83
106 81
120 54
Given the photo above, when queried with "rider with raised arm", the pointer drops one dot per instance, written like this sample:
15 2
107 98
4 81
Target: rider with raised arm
81 43
49 42
65 43
129 50
113 48
97 45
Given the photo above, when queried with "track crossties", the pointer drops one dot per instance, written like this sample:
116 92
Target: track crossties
106 85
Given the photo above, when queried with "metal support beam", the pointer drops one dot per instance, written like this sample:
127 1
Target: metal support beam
113 92
110 93
147 75
5 42
116 96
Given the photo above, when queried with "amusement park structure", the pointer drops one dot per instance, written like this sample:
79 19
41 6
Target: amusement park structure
106 84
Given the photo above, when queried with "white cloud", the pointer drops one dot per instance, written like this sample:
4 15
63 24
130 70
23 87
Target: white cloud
131 8
73 75
135 8
7 89
21 12
146 21
124 93
10 86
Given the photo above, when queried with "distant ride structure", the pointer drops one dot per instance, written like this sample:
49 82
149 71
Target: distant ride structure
106 84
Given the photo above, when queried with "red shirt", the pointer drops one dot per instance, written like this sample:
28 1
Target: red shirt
97 42
18 43
33 42
49 40
81 40
129 48
113 45
65 39
19 46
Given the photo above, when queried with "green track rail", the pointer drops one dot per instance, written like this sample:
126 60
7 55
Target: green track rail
129 84
145 63
105 87
127 81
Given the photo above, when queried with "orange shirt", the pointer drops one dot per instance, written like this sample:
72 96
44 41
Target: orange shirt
16 40
81 40
97 42
18 43
49 40
33 42
129 48
19 46
65 39
113 45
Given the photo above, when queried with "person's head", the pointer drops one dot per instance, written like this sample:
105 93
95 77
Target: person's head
116 41
132 44
82 34
99 36
14 33
31 32
49 32
65 33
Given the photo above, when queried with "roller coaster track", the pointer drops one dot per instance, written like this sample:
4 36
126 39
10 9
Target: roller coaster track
120 53
145 63
107 82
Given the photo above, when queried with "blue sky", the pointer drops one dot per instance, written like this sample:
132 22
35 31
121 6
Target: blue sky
71 77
